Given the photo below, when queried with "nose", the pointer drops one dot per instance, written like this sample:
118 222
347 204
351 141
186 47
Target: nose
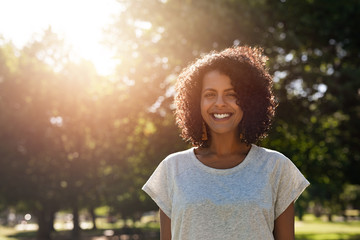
219 101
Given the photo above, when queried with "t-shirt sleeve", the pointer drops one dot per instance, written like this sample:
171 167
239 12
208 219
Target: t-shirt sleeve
158 188
290 186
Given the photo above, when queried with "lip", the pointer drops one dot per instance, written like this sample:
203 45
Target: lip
221 116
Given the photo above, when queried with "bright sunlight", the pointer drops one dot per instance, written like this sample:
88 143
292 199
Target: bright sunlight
79 22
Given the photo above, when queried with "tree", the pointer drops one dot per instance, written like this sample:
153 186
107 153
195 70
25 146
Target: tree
312 47
26 139
71 139
47 131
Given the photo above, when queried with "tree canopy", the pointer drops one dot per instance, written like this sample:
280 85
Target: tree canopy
73 139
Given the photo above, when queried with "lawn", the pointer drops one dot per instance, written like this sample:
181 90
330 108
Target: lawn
315 229
5 232
309 229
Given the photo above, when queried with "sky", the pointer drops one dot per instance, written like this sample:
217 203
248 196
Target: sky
79 22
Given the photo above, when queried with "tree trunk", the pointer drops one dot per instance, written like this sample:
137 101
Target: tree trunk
329 216
300 213
93 217
43 232
52 221
76 229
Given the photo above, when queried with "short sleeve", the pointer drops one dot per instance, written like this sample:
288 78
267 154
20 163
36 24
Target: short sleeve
158 188
290 186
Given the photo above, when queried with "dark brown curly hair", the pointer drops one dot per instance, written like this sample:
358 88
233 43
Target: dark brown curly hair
245 66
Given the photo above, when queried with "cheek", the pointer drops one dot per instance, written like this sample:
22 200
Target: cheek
239 111
204 104
203 107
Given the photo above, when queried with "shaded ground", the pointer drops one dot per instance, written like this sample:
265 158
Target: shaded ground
309 229
118 234
154 235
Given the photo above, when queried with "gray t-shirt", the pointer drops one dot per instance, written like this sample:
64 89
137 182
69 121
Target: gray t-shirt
237 203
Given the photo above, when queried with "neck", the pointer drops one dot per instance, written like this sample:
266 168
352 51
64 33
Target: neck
225 144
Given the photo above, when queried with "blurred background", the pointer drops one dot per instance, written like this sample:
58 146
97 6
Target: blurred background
86 111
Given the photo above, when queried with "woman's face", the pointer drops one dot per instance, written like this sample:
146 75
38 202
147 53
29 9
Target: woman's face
218 104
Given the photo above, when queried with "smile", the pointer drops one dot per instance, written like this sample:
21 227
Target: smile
221 115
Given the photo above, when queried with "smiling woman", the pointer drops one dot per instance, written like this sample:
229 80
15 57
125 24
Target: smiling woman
225 184
79 22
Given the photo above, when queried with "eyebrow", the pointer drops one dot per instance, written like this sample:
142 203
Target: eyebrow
213 90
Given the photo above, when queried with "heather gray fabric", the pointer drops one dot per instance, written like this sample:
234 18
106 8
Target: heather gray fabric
238 203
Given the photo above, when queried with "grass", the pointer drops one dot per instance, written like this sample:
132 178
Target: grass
5 232
310 228
315 229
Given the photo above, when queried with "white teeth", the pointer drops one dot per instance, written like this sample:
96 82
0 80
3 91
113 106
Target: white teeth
220 116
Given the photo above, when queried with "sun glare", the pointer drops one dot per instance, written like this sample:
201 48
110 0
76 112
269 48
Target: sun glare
79 22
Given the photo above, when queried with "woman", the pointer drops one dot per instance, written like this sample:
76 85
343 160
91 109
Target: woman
226 187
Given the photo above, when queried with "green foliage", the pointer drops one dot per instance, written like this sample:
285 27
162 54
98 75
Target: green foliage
313 49
71 138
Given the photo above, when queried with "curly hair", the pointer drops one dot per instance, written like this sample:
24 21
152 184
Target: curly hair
245 66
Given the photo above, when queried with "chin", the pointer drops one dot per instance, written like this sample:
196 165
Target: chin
223 131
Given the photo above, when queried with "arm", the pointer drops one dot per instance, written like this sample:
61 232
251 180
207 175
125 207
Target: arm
284 225
165 226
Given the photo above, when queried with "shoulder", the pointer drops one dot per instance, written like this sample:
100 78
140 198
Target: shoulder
173 157
271 158
278 164
178 162
269 154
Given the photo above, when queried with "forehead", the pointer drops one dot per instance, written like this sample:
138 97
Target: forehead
216 80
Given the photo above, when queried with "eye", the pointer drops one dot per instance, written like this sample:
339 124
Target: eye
209 94
232 94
